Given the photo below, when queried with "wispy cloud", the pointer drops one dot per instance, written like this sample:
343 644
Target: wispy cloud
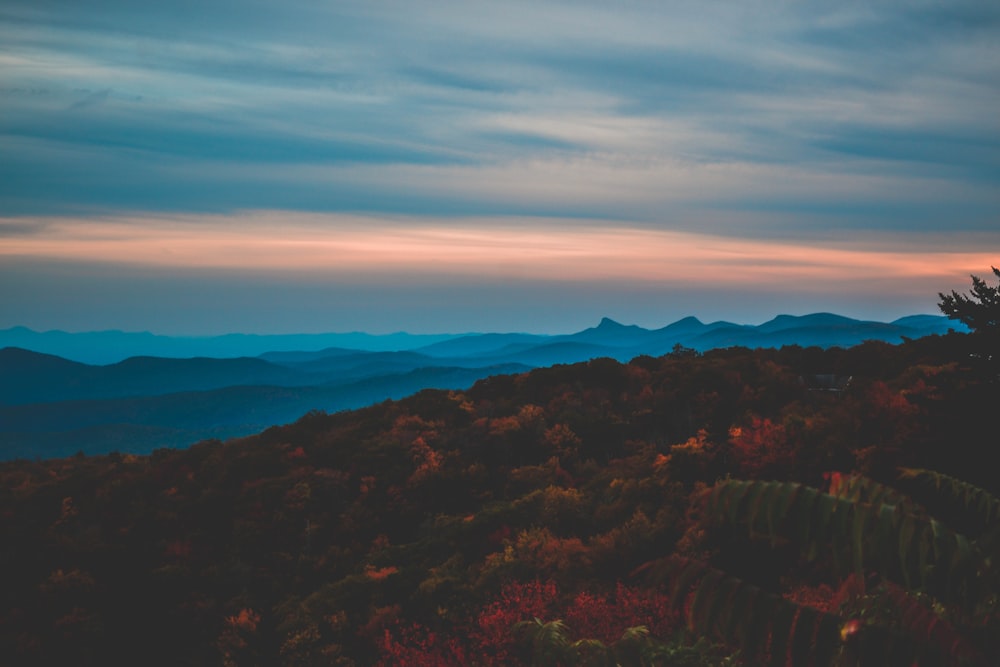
536 249
130 132
847 94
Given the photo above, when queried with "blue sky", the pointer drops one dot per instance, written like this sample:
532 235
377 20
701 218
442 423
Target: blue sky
213 166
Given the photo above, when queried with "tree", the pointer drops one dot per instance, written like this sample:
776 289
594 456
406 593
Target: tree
979 310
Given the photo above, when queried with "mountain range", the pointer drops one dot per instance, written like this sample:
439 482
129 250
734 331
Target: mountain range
54 404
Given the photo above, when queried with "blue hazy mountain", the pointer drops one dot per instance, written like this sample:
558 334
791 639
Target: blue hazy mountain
482 344
612 333
929 324
106 347
50 405
142 423
31 377
556 352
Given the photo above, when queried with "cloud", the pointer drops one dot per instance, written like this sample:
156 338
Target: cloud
473 89
279 271
90 98
269 242
771 127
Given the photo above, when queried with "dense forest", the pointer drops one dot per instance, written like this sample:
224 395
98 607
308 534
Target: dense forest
791 506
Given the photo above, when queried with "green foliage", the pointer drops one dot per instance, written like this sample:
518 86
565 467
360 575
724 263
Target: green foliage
906 615
869 526
975 503
548 642
761 624
904 546
866 491
549 645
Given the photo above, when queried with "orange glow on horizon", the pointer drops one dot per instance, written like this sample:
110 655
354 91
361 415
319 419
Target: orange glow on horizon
343 245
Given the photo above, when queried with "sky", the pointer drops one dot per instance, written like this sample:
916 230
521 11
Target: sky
206 167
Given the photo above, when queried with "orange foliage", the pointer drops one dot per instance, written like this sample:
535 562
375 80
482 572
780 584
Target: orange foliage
548 553
503 425
819 597
762 448
427 460
889 402
380 573
67 510
561 437
246 620
367 484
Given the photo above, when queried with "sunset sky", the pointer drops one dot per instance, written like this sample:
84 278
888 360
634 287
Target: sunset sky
302 166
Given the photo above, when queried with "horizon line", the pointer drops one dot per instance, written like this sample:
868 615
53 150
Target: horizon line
402 332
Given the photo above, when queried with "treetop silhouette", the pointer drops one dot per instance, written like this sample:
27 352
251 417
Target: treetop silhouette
979 310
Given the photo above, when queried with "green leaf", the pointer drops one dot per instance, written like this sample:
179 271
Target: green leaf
801 646
861 514
906 548
778 508
827 642
781 627
691 571
705 600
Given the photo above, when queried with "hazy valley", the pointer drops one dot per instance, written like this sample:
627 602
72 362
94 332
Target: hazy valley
52 406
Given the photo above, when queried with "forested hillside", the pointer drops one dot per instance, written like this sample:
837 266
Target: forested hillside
459 527
52 407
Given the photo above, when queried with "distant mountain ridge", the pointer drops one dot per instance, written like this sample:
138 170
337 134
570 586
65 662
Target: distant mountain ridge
107 347
53 406
624 342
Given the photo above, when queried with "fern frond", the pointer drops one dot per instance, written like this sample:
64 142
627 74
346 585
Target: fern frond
768 628
638 633
981 508
549 641
908 548
861 489
908 615
727 609
917 619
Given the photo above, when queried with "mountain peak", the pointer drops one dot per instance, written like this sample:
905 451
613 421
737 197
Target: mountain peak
686 325
813 319
607 323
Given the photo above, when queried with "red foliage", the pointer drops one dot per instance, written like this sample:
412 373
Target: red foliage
178 549
762 448
380 573
894 404
820 598
606 617
518 601
246 620
491 639
499 535
488 640
417 646
295 454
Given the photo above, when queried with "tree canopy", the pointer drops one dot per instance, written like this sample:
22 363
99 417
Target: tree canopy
979 310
